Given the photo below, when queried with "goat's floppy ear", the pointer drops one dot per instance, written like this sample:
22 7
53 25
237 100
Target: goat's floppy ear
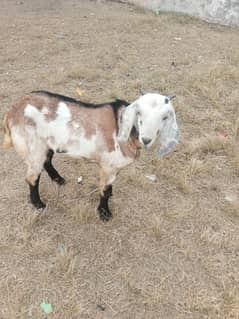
126 122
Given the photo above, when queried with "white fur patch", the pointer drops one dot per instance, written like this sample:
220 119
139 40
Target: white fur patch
63 135
55 131
63 111
80 146
45 110
75 125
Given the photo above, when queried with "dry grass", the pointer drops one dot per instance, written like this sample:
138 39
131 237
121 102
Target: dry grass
154 223
197 166
232 208
83 214
171 250
83 73
207 144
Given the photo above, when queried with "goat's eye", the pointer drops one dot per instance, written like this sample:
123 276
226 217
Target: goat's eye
140 122
157 132
165 118
138 113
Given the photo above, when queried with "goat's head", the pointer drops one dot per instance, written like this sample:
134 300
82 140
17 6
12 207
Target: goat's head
153 116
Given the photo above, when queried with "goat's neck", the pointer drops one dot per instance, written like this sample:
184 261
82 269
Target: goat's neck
132 147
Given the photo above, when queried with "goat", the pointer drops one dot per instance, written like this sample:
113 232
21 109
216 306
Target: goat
111 134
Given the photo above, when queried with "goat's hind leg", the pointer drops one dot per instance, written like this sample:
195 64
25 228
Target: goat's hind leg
34 193
51 171
34 154
33 179
35 162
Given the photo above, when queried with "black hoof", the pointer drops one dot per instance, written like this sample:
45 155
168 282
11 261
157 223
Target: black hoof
105 215
59 180
39 205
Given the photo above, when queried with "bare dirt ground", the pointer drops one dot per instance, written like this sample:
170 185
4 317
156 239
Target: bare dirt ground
171 250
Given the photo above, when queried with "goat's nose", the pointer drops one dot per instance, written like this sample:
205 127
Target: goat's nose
146 141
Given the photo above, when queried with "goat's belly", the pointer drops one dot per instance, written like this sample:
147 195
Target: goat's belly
78 152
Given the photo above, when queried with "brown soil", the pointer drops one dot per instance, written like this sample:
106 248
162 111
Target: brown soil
171 250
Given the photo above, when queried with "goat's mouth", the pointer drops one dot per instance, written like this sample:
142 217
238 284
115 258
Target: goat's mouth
143 142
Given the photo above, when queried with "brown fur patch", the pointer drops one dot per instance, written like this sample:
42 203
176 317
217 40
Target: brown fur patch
16 113
102 119
108 126
31 179
131 148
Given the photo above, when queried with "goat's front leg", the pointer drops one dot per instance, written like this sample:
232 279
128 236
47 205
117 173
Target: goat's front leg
106 179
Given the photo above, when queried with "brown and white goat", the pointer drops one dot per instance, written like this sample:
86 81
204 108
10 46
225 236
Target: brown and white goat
111 134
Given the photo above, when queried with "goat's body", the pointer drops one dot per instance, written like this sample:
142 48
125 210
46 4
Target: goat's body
45 122
41 122
110 134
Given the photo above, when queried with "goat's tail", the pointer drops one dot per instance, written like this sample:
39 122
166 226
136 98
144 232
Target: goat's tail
7 139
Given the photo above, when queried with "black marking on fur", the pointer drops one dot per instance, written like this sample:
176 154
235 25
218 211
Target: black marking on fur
51 171
103 208
114 104
34 195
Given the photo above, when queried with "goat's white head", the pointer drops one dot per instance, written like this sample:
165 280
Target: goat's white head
153 116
